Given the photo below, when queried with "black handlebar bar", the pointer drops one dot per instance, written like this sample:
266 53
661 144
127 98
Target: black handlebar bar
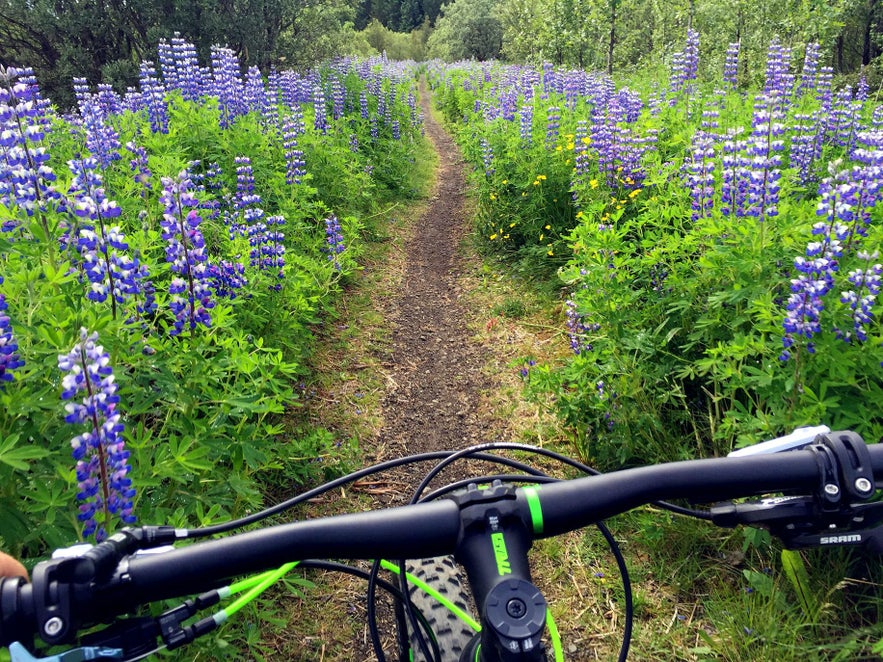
436 528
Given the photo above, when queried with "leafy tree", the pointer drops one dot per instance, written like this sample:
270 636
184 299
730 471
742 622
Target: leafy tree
61 39
464 31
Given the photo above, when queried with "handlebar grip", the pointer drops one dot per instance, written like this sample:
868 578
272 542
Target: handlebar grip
16 610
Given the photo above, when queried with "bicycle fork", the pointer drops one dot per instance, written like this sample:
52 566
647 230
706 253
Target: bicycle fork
493 550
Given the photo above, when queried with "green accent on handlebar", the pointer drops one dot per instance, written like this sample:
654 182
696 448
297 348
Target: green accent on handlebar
426 588
555 636
536 508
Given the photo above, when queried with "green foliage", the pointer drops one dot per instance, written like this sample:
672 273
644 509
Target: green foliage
681 313
467 29
93 39
207 413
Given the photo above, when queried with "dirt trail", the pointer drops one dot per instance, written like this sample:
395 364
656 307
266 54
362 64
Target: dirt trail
436 369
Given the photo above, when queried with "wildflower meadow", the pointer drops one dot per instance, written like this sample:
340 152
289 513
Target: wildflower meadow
717 245
166 256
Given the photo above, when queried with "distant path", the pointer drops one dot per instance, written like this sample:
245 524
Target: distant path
436 369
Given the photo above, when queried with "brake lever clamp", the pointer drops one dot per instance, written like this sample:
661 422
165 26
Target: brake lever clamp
834 514
853 462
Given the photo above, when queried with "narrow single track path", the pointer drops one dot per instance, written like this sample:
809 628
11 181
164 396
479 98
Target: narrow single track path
436 373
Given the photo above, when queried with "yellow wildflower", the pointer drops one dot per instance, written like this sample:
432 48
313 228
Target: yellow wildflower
548 227
587 141
542 236
541 176
512 225
634 193
493 236
505 181
569 146
493 197
558 149
593 183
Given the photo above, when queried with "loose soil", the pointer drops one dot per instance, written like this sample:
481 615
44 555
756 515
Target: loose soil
436 372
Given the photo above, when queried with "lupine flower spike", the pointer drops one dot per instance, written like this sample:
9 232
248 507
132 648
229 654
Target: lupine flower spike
9 357
105 489
191 288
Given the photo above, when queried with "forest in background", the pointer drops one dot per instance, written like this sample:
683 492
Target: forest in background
106 39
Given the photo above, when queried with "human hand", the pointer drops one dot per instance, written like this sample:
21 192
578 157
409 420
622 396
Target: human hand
10 567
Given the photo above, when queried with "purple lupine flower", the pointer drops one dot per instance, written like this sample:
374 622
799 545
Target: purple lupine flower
320 121
363 104
227 85
267 250
9 357
553 122
817 268
105 489
153 95
334 240
180 67
691 55
861 299
861 90
731 64
734 176
700 174
711 111
803 311
138 165
526 125
578 330
581 158
102 139
338 96
824 88
295 166
763 147
110 270
110 101
26 179
255 94
167 64
845 120
524 371
810 72
227 277
779 80
487 157
245 212
186 253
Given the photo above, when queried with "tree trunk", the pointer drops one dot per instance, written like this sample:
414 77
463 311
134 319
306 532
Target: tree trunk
867 45
612 37
838 54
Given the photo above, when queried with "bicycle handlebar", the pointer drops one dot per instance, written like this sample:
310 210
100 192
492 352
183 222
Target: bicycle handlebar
435 528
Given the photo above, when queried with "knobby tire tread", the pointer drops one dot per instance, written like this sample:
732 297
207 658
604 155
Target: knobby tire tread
452 634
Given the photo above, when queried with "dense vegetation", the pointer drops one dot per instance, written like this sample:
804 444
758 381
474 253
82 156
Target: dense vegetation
164 258
103 41
720 249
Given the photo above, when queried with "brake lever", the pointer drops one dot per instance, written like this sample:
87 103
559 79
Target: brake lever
18 653
800 522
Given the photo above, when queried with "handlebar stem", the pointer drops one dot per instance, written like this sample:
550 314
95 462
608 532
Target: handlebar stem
493 549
